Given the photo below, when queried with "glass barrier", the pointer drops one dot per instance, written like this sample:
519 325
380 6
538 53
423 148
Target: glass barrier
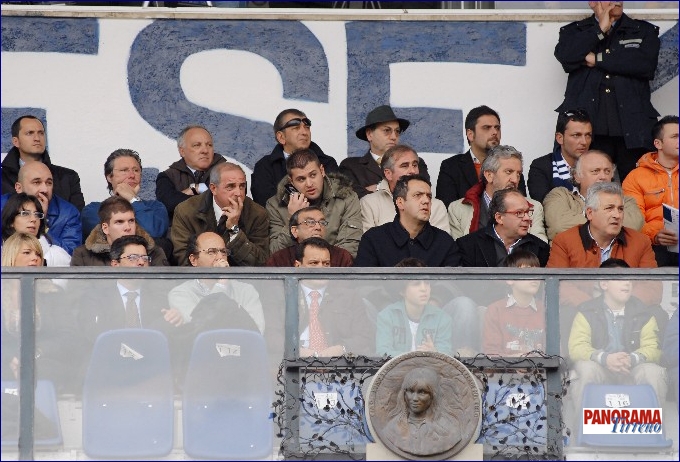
175 366
616 336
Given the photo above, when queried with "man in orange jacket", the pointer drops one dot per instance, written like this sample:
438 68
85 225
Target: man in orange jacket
655 182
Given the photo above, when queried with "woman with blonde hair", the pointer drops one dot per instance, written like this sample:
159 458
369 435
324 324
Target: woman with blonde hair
22 249
57 347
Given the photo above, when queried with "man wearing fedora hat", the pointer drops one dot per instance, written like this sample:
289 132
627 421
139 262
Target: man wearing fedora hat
292 131
382 131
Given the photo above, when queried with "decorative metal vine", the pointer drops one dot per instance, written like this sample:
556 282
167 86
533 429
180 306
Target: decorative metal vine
324 412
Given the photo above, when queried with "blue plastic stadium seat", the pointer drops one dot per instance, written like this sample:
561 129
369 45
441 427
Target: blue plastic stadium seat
227 397
46 426
128 406
631 396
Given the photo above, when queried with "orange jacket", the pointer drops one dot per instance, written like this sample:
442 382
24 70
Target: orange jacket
574 248
652 185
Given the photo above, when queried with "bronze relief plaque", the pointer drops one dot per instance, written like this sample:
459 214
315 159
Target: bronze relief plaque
424 405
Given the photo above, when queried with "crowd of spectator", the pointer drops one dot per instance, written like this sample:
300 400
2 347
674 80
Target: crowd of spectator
378 210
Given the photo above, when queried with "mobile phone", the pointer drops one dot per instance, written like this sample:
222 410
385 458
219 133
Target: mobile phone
290 189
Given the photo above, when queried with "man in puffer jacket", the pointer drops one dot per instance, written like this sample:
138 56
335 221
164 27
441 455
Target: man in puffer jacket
655 182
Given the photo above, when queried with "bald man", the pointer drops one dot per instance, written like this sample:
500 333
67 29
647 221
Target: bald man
64 228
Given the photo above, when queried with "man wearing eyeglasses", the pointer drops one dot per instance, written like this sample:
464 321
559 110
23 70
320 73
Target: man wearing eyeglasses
573 135
124 302
501 169
382 130
207 250
123 173
510 216
63 225
305 223
116 219
292 131
331 192
610 59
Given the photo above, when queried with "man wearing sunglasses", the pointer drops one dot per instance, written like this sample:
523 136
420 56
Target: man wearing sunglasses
573 135
305 223
292 131
382 130
510 218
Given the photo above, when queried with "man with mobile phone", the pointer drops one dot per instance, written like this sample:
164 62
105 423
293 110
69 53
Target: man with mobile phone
332 193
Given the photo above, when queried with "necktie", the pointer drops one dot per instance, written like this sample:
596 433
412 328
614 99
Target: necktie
317 341
131 310
378 160
198 177
222 225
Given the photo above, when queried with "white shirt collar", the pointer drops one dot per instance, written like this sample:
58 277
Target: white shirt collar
218 210
512 302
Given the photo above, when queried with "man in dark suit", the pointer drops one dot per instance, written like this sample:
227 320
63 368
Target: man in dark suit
509 222
292 131
123 303
459 173
333 321
382 131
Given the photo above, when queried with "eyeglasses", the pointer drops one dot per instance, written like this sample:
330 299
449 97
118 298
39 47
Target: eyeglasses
296 123
387 131
521 213
311 223
214 251
27 213
580 113
133 257
125 171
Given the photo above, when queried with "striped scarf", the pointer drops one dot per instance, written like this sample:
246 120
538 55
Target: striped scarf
561 170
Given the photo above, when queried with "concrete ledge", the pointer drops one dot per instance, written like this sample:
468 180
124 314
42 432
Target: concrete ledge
309 14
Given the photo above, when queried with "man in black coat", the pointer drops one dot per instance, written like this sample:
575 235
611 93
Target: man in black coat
28 138
509 222
459 173
382 131
292 131
610 59
410 235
